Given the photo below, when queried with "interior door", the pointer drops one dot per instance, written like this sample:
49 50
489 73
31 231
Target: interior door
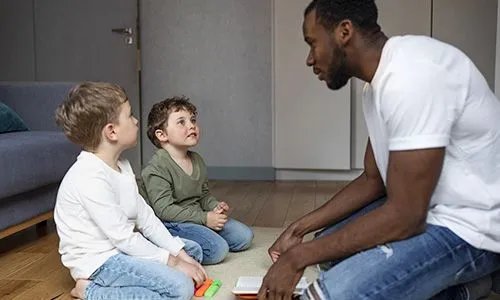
89 40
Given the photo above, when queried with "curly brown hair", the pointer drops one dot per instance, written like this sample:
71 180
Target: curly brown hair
88 107
158 116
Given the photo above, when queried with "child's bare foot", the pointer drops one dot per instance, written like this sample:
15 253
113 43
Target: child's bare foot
79 290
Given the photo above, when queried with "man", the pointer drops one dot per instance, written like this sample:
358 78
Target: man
423 219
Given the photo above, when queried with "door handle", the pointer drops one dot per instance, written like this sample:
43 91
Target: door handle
127 31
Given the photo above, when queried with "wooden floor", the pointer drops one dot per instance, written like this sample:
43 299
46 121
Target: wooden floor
31 267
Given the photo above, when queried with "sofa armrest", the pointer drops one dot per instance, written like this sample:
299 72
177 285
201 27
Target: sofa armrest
35 102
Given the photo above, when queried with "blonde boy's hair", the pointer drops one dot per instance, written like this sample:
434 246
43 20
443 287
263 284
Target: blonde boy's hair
158 116
88 107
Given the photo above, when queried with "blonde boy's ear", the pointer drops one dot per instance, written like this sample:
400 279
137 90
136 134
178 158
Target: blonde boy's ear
161 135
109 132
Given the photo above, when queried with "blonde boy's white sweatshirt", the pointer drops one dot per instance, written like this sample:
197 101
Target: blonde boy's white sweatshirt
99 213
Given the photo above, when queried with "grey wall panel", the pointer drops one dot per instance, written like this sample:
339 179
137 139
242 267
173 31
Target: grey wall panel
17 54
470 26
312 122
218 53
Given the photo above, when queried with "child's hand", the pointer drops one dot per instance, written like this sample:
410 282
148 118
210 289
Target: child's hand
190 270
184 256
221 208
216 221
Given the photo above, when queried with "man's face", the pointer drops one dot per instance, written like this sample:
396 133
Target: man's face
327 57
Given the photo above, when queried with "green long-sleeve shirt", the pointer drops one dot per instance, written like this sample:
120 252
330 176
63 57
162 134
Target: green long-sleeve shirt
174 195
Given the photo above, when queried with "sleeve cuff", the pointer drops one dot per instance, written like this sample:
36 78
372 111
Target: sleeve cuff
165 255
213 203
418 142
175 245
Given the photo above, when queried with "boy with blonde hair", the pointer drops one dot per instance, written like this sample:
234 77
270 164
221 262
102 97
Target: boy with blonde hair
110 239
175 184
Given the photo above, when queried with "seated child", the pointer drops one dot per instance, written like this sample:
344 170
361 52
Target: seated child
110 239
175 184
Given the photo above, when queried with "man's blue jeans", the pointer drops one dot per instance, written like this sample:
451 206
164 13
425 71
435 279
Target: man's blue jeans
432 265
126 277
235 236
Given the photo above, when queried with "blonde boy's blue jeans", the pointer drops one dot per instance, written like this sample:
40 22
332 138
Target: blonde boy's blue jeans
433 265
129 278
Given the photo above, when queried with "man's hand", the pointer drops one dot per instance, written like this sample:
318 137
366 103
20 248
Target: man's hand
190 270
216 221
221 208
280 280
286 240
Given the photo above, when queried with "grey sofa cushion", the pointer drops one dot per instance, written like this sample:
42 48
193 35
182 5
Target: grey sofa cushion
22 207
32 159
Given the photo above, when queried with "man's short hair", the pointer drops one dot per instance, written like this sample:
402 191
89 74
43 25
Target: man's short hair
88 107
362 13
158 116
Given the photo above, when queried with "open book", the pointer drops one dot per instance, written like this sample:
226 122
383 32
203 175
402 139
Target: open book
247 287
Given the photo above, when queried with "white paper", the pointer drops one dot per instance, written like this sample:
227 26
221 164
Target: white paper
251 285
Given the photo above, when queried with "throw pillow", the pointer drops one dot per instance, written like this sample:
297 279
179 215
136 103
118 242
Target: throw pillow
10 121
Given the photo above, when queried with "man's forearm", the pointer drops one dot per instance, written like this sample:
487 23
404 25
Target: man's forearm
383 225
357 194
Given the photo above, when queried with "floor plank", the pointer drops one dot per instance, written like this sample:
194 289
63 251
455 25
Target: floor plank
302 202
38 270
13 262
273 213
248 210
55 285
9 289
325 190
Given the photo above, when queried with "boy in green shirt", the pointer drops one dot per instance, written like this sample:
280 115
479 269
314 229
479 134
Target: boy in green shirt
175 184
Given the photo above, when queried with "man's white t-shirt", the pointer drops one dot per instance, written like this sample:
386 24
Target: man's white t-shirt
99 213
428 94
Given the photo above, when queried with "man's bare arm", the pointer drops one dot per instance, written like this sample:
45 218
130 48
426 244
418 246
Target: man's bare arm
357 194
412 177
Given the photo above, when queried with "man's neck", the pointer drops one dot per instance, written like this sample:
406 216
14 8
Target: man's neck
370 52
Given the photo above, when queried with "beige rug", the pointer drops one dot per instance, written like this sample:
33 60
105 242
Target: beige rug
252 262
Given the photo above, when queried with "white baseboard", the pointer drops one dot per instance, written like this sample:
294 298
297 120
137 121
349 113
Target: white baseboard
285 174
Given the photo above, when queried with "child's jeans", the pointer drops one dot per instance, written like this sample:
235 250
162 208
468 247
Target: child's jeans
235 236
432 265
127 277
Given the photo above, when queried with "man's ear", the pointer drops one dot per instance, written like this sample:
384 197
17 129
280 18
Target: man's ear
109 132
161 135
344 32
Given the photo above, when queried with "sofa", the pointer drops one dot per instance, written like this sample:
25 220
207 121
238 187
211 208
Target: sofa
34 161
